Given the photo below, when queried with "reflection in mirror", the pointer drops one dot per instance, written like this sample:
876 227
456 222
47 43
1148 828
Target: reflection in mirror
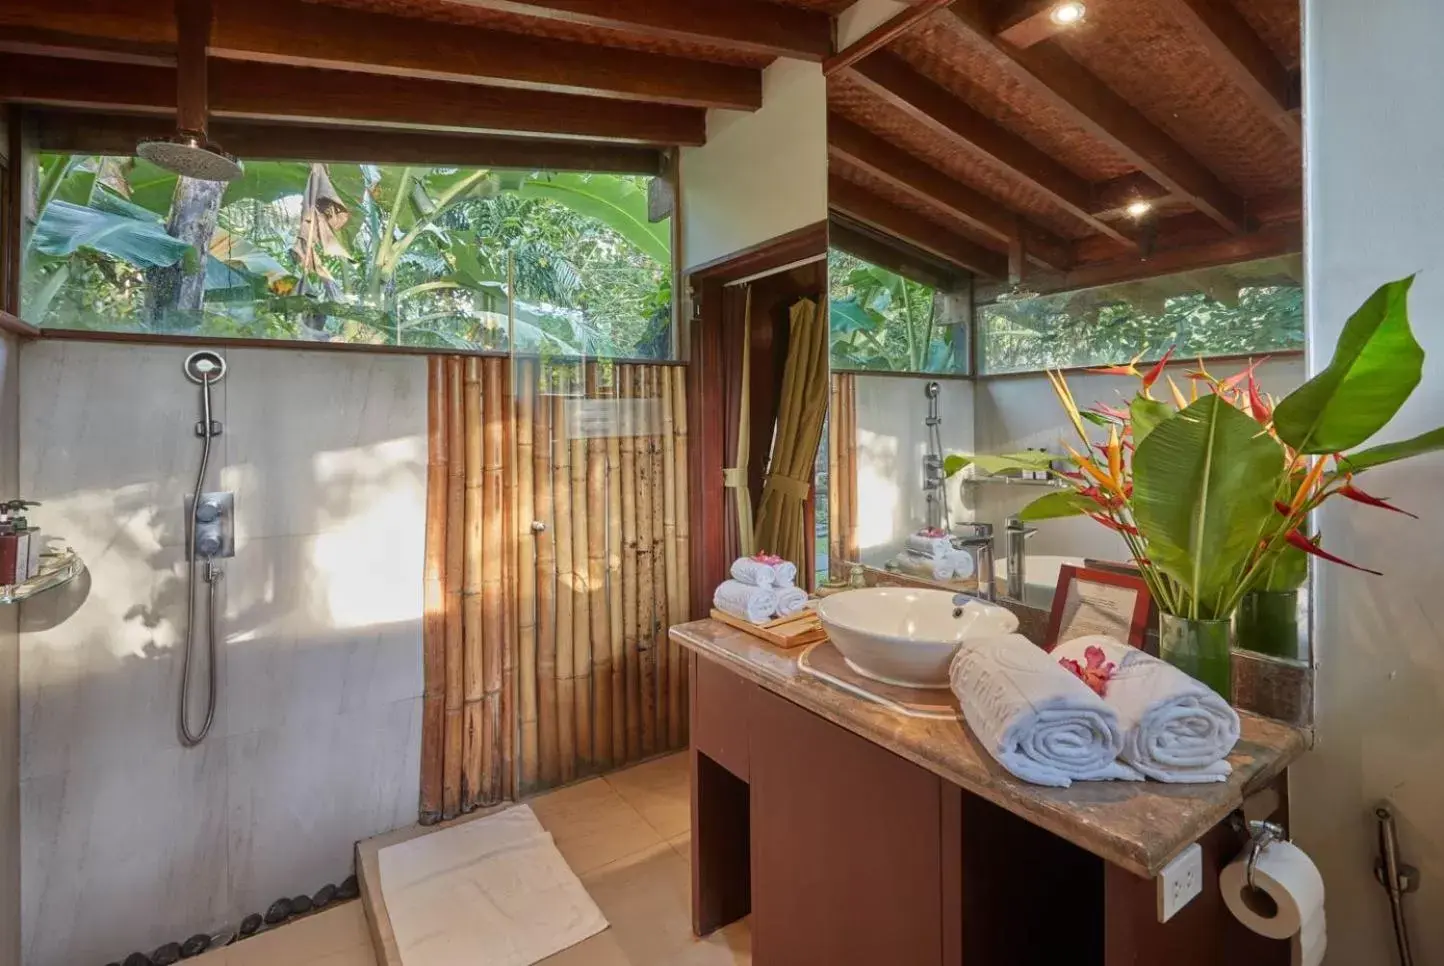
1006 201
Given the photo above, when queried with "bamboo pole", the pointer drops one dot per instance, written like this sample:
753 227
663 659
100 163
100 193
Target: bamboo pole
507 547
601 646
646 582
433 628
544 509
670 472
473 662
684 536
581 584
661 603
616 645
526 574
628 486
834 480
566 592
849 446
451 791
494 619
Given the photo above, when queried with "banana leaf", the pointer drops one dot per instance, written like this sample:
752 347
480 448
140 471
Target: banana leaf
619 204
1288 570
1390 452
1054 506
1376 365
1204 482
65 228
1145 415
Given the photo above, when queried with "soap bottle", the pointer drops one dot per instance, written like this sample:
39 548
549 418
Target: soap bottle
29 535
9 549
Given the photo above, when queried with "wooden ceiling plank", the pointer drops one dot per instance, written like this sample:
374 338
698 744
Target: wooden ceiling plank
863 206
1031 23
744 26
117 134
1270 242
315 35
1069 87
270 91
56 43
863 149
889 78
1244 57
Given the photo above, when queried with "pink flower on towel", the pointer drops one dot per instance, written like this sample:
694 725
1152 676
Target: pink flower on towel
932 533
1096 674
770 559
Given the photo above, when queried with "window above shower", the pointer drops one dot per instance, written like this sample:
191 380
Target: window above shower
882 321
452 258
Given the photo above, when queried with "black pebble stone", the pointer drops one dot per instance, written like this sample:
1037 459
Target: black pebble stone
349 889
250 924
300 904
166 955
195 945
323 896
279 911
138 959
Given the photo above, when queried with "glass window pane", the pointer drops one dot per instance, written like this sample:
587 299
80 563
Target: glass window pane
1251 307
437 257
881 321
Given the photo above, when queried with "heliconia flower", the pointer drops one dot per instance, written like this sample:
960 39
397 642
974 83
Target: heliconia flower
1260 409
1115 454
1129 370
1178 398
1283 508
1352 492
1235 380
1113 524
1096 671
1311 479
1151 376
1297 539
1112 412
1092 469
1065 396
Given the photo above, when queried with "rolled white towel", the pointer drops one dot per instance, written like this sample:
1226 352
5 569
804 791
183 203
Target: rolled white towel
924 545
755 604
1175 729
790 600
1037 719
758 573
963 563
929 568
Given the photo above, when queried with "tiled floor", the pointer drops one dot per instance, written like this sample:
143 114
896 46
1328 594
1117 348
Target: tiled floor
627 836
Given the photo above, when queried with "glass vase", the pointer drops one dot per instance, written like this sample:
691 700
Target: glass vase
1267 622
1199 649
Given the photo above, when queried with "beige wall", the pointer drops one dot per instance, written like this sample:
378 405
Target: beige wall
131 840
761 174
9 677
1375 137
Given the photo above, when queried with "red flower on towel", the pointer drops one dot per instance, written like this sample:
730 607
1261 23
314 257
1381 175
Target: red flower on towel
770 559
1097 672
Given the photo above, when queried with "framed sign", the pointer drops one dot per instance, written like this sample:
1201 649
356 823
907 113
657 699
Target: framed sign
1098 602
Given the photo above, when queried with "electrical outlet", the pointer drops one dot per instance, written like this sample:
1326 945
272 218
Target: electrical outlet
1179 882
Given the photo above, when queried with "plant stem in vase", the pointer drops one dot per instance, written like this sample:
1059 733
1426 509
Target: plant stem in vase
1200 649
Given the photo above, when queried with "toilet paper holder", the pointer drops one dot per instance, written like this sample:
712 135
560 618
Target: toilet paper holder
1261 835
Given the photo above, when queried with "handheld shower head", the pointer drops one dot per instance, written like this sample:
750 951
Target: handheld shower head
189 154
205 366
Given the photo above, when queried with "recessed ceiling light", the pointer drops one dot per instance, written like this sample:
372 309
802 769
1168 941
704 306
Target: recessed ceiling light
1068 13
1138 209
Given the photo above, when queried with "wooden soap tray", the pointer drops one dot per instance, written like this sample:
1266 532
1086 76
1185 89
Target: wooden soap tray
801 628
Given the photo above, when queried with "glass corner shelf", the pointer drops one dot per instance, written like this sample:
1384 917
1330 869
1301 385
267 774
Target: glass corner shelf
1000 480
56 569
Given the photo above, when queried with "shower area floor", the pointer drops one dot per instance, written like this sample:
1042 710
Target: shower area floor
627 836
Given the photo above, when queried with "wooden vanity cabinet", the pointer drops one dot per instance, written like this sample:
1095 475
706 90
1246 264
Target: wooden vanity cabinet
845 853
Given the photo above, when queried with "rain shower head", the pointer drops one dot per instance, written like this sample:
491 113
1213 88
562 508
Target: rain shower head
189 154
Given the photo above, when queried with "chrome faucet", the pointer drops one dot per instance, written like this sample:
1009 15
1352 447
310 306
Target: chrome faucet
1015 537
977 538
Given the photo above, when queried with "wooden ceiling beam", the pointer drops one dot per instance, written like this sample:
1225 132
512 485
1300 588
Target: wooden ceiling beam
890 79
55 43
1244 57
869 209
1270 242
742 26
1111 198
303 34
277 92
72 132
1051 74
1030 23
865 150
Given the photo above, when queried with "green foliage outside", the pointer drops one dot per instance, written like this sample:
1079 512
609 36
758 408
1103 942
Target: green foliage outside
1253 307
371 254
883 322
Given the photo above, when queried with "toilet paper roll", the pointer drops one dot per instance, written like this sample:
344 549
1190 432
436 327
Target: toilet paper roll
1293 893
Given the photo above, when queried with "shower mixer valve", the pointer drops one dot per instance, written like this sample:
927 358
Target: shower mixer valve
213 532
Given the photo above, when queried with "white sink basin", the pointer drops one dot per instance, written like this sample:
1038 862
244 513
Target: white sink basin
907 637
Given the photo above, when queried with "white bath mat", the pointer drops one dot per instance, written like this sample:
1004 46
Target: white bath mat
493 892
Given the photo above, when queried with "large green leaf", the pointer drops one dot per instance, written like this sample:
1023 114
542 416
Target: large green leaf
1052 506
846 316
1286 570
1145 415
1203 487
268 181
616 202
151 187
1000 463
1390 452
65 229
1376 365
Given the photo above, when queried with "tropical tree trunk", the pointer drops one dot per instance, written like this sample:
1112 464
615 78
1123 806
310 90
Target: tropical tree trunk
182 287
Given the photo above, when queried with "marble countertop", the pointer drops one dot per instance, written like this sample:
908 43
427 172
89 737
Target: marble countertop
1139 826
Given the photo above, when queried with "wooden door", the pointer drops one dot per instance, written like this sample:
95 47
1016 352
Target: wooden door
847 846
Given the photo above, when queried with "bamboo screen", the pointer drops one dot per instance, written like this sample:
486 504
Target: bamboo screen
557 558
842 475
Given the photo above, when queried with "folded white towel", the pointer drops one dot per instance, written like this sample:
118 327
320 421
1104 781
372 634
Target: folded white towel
755 604
963 563
929 546
749 571
1175 729
790 600
1037 719
918 565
